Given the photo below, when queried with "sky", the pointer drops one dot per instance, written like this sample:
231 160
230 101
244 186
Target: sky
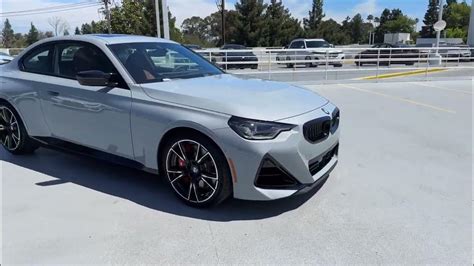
335 9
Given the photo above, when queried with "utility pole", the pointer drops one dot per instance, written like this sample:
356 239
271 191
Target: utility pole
470 38
223 22
158 25
107 15
166 25
440 18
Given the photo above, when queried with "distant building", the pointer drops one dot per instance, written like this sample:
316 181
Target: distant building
397 38
447 41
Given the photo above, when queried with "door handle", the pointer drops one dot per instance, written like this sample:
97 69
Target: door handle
53 93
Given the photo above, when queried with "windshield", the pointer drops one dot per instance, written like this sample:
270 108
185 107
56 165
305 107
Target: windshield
317 44
157 62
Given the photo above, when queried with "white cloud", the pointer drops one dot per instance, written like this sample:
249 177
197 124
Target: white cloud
22 23
183 9
368 7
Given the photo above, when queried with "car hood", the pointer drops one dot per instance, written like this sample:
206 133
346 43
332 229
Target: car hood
249 98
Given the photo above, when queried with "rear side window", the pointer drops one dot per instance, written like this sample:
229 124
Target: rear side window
297 45
76 57
39 61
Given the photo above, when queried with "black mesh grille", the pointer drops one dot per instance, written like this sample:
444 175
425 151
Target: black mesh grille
274 177
318 164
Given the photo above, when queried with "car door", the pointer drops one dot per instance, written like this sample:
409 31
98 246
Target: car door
299 47
96 117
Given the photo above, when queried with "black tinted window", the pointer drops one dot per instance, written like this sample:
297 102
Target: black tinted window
297 45
39 61
76 57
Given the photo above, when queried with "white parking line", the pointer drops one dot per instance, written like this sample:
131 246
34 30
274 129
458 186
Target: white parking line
398 99
439 87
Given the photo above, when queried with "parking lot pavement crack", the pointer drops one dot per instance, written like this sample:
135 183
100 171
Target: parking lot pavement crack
213 242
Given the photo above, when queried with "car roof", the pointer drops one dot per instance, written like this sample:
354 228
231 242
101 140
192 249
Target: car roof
109 38
302 39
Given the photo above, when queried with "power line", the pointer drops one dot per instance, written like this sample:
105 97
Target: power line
49 8
48 11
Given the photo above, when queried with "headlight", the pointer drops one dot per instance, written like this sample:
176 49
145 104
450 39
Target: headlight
257 130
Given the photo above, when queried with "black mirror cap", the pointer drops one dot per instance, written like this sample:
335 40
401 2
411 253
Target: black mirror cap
96 78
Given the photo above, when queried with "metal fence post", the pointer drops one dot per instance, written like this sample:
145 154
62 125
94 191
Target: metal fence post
270 65
327 62
378 65
226 61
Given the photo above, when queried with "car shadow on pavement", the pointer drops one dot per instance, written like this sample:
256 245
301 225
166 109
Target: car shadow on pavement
143 188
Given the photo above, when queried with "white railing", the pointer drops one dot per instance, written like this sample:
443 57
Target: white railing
264 62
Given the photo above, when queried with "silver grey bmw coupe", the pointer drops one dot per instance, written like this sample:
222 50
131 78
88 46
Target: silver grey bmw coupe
155 105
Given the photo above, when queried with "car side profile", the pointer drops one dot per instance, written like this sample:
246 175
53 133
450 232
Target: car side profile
155 105
311 53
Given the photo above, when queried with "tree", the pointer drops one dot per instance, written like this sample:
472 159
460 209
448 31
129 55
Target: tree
334 33
33 35
393 21
457 17
77 31
195 30
370 18
431 17
8 35
316 15
358 34
250 22
280 27
66 32
58 24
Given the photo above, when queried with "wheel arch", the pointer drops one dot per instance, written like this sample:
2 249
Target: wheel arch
5 101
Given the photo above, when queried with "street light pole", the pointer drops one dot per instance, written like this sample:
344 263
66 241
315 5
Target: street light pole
107 16
166 25
440 18
223 22
158 26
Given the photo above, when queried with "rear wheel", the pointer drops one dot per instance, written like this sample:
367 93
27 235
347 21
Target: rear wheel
289 65
196 170
13 136
308 64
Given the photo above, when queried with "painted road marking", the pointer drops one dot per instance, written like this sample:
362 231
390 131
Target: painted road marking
398 98
439 87
403 74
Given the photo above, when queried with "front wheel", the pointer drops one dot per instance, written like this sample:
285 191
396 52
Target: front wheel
196 170
13 136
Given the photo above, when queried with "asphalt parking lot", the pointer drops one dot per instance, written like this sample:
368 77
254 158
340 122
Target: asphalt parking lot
402 193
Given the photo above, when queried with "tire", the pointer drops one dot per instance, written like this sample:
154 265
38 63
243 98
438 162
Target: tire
337 65
289 65
13 135
196 170
359 64
308 64
254 67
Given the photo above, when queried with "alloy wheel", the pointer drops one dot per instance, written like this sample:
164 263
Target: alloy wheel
10 134
192 171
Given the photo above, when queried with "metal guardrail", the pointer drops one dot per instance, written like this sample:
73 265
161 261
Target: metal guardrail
266 62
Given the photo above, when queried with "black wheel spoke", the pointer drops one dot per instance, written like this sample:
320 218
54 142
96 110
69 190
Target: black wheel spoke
192 171
10 136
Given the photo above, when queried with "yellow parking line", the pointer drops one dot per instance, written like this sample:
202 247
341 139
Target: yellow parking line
399 99
403 74
438 87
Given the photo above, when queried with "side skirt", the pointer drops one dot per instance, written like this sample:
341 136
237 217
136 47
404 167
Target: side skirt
69 147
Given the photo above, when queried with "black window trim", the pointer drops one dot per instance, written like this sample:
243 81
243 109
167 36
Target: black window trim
55 59
21 64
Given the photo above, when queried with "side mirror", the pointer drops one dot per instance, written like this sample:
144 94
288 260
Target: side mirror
96 78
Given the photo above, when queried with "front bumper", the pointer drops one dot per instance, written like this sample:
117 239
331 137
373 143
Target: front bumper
290 150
